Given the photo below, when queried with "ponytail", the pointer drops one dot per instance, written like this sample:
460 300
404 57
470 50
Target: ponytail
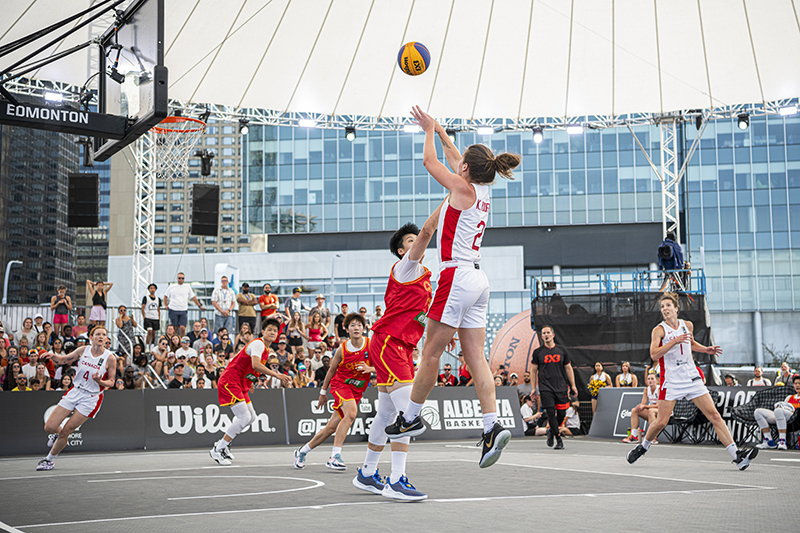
505 163
483 166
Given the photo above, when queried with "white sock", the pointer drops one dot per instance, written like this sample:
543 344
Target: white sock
767 437
646 443
305 449
635 432
732 449
413 410
370 463
50 457
489 420
336 450
221 445
398 466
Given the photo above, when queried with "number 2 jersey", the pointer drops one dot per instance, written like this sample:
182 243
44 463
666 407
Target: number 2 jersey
461 232
677 365
346 373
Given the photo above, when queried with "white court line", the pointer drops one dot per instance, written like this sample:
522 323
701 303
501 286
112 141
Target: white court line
315 485
787 460
644 476
10 529
384 502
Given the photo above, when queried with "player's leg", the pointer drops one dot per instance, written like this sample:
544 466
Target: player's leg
635 412
782 417
561 413
53 426
665 408
242 417
347 411
741 458
765 417
367 477
320 437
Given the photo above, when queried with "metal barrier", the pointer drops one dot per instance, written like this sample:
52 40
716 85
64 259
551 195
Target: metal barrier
686 281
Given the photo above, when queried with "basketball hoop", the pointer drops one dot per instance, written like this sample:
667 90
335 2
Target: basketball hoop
175 137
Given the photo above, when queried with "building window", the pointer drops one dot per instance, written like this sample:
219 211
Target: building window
227 217
175 196
194 162
227 228
176 229
211 141
193 240
228 206
210 240
161 196
158 251
227 130
227 240
212 130
161 218
159 240
161 184
228 196
176 207
228 173
160 229
228 151
177 185
176 240
228 184
228 141
193 250
243 249
161 207
244 239
227 250
210 250
176 250
176 218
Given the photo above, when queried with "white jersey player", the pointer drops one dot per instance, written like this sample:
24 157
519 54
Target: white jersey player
671 345
462 294
95 372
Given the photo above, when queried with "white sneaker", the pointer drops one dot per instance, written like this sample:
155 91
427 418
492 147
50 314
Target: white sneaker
782 444
767 445
51 439
219 457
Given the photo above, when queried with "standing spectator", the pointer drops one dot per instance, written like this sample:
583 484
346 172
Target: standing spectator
297 332
317 331
151 314
447 379
598 380
97 291
341 332
268 302
200 344
61 305
176 302
80 328
26 331
323 311
194 335
784 376
513 380
224 300
125 324
378 314
759 380
464 376
247 307
525 388
293 303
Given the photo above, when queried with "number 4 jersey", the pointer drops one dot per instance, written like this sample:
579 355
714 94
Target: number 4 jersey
89 365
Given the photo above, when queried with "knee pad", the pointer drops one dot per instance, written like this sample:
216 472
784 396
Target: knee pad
385 416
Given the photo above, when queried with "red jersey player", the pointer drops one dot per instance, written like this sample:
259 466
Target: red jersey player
236 381
462 294
395 336
348 377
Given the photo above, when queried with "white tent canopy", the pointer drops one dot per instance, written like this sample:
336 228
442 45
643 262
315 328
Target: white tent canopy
512 59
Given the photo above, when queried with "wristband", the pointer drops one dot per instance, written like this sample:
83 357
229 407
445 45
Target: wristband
323 392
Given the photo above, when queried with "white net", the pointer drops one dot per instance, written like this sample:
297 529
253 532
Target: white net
175 138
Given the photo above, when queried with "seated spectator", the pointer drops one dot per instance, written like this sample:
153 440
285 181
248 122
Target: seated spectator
301 378
188 371
66 383
22 384
415 356
185 350
194 335
245 335
296 333
316 360
119 384
330 345
529 417
626 378
647 410
498 381
321 372
201 384
131 379
35 384
218 337
464 377
784 376
5 340
27 332
779 416
571 425
10 377
159 356
225 346
281 352
273 382
212 370
222 362
446 378
23 355
29 370
67 336
598 380
42 376
42 342
200 375
373 380
288 368
178 381
80 328
526 387
759 380
731 381
174 343
262 382
513 380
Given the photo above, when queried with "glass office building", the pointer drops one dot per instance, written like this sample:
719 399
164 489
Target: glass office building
743 190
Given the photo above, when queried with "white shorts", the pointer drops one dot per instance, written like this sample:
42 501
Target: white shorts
461 298
85 403
680 391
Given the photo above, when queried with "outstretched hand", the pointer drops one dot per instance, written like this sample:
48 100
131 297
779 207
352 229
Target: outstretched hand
425 121
714 350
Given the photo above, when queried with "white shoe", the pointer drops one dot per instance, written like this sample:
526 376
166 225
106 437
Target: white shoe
219 457
51 439
782 444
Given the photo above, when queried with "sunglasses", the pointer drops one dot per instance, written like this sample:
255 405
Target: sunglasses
274 366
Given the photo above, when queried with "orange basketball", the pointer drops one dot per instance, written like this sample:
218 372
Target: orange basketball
514 344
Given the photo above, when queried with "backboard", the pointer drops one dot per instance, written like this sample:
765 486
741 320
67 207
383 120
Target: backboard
133 80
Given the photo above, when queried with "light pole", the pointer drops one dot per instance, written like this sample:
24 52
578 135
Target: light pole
333 280
5 283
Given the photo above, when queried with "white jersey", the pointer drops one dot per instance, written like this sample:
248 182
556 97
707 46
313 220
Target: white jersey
88 365
461 232
652 396
677 365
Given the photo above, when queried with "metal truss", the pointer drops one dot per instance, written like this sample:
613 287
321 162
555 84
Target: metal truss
144 213
670 178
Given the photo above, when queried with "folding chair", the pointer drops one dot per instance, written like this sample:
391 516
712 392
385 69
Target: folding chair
683 416
763 399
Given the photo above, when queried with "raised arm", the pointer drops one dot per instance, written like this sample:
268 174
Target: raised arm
425 235
68 358
450 151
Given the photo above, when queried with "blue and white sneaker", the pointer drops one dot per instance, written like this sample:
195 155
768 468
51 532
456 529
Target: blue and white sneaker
403 490
51 439
336 463
744 457
44 464
767 445
299 459
373 484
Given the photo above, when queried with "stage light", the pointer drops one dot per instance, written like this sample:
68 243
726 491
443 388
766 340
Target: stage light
411 128
205 115
350 133
574 129
485 130
244 126
307 123
452 134
538 135
744 121
698 121
788 110
54 97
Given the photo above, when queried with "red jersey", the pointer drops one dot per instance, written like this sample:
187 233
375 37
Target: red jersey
406 305
240 369
346 373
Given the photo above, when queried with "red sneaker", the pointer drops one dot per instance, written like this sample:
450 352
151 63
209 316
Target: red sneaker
631 440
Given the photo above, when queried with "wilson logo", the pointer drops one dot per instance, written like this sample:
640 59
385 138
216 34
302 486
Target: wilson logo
182 419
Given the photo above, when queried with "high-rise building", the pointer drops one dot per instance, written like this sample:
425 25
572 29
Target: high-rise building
91 260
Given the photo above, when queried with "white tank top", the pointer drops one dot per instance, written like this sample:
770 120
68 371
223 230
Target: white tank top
677 365
88 365
652 397
461 232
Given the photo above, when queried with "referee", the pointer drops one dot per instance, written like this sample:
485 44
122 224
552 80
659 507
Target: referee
550 369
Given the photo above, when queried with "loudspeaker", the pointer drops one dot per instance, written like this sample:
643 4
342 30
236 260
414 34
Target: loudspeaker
204 210
83 201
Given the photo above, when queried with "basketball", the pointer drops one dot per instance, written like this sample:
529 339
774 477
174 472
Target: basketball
414 58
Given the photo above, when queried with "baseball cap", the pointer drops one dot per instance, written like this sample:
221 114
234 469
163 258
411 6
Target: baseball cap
182 356
129 367
179 364
203 329
514 375
282 341
301 367
38 315
320 297
297 289
245 284
185 339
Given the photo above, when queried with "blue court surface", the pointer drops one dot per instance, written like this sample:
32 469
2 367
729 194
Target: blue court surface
589 486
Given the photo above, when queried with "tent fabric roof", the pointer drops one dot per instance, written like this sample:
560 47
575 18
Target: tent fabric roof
512 59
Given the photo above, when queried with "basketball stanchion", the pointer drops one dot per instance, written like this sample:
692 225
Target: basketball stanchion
174 139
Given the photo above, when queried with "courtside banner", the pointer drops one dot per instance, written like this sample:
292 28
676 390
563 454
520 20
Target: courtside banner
614 405
193 419
119 425
449 413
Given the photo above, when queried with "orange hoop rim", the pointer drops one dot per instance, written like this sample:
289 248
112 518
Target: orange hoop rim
179 120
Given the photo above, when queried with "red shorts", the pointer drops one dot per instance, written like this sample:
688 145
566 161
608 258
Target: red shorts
60 319
344 393
230 392
392 359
